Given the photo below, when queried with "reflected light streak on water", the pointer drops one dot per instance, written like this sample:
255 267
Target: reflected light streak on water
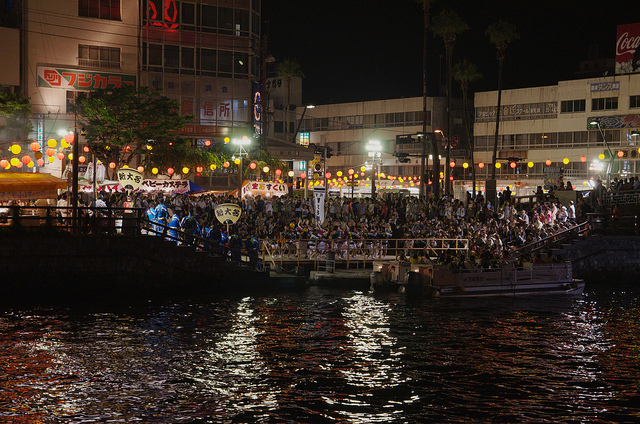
326 356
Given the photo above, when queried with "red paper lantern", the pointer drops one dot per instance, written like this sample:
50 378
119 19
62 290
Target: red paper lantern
50 152
26 159
548 162
40 162
60 155
303 175
69 138
4 163
253 165
112 165
327 175
278 172
207 143
140 169
583 159
86 149
199 169
35 146
226 164
480 165
170 171
81 159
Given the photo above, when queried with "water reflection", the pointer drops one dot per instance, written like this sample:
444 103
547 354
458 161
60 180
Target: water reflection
327 356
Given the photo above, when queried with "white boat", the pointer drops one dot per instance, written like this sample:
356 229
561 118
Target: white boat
440 281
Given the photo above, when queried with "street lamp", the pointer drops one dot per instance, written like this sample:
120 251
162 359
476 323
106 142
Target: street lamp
596 123
241 145
446 168
375 151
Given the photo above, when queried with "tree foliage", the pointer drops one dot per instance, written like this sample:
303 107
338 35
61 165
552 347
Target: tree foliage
14 117
121 123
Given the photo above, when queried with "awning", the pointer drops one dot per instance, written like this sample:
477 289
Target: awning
29 186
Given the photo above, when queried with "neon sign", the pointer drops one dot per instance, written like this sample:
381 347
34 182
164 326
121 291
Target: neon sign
170 14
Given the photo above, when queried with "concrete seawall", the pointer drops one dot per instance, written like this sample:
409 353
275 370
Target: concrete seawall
112 266
603 257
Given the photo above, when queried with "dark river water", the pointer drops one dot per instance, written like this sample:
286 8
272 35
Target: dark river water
326 355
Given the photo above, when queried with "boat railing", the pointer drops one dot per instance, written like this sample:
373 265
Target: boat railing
510 274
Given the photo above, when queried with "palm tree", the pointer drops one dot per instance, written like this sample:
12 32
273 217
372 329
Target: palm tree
288 69
500 34
448 24
466 73
426 7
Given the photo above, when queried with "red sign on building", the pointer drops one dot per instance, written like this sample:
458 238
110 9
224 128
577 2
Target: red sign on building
627 51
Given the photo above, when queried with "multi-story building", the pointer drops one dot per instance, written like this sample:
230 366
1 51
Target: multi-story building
568 130
203 53
348 128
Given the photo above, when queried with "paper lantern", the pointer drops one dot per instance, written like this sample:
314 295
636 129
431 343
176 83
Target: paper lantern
465 165
70 156
513 165
452 164
31 164
64 144
207 143
51 159
15 161
583 159
185 170
530 164
81 159
86 149
620 153
327 175
601 156
227 140
69 138
226 164
198 169
15 149
52 142
154 171
265 169
351 171
170 171
38 154
498 165
303 175
565 161
26 159
4 163
50 152
339 173
40 162
236 161
213 167
60 155
35 146
480 165
548 162
253 165
19 164
278 172
291 173
112 165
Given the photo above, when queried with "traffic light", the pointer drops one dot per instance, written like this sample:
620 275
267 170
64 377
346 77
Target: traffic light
404 139
402 157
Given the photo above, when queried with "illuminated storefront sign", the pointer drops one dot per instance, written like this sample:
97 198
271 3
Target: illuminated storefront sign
73 79
163 13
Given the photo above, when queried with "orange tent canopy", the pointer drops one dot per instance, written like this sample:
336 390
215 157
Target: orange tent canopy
25 186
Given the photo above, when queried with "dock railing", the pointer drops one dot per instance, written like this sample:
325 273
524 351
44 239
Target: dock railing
355 251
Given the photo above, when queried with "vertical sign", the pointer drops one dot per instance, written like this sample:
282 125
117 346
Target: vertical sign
627 51
318 197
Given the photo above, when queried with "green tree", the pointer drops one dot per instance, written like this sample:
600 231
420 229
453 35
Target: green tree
500 35
14 117
426 8
179 154
121 123
288 69
263 158
448 25
466 73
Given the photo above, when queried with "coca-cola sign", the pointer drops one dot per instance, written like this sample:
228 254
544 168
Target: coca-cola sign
627 51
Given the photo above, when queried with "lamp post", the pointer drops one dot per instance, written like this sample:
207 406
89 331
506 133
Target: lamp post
375 151
596 123
446 167
241 143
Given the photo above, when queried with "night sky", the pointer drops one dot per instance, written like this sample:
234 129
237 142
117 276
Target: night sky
360 50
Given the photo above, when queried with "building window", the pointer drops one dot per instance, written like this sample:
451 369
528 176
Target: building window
98 56
568 106
634 101
187 16
208 18
101 9
608 103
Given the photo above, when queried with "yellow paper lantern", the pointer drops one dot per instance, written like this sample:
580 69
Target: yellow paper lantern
154 171
52 142
212 167
185 170
530 164
15 161
70 156
64 144
601 156
31 164
15 149
498 165
265 169
565 161
51 159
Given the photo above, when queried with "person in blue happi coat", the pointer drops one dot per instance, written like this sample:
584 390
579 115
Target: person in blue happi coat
173 224
189 226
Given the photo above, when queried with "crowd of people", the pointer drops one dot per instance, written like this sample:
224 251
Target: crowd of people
491 231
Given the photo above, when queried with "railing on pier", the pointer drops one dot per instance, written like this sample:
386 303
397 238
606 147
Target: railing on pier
614 224
553 240
357 251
